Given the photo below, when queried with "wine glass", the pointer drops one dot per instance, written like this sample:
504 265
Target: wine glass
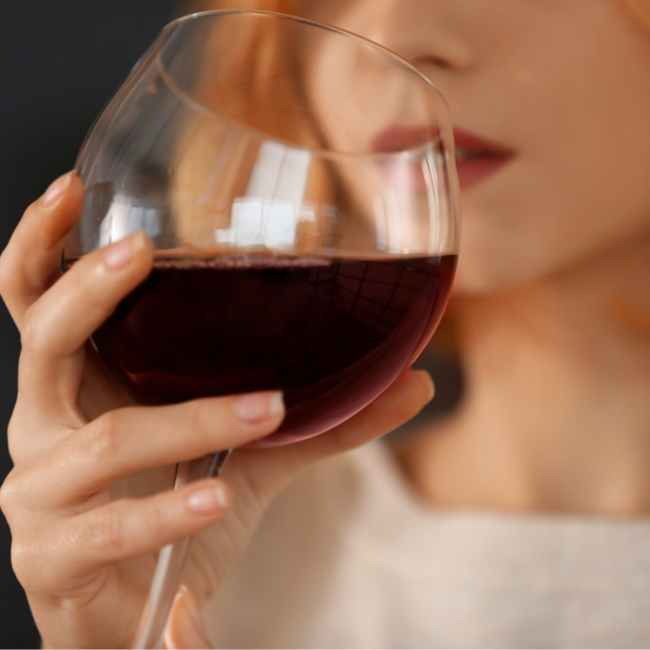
299 186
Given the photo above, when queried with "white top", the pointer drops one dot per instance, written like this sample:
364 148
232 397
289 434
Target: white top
348 557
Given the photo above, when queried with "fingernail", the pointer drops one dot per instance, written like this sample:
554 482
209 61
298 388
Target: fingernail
185 628
257 407
208 500
194 612
120 254
426 379
54 191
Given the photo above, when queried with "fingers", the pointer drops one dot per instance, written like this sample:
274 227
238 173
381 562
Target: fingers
403 400
129 440
31 262
72 547
268 470
186 628
56 326
130 528
60 322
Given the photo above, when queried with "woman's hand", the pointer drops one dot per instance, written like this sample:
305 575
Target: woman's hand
88 500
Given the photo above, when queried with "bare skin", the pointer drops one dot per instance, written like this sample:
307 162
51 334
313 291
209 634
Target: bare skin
556 417
551 301
82 500
552 308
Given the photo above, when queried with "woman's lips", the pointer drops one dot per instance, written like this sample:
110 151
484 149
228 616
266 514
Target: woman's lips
403 173
399 137
476 157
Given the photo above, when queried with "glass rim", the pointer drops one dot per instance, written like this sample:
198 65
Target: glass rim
416 150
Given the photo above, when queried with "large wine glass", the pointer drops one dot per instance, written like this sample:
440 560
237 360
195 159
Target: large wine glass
298 184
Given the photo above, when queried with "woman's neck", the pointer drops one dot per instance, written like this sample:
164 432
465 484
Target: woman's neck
556 415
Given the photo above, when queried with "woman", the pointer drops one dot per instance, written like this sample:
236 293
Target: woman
519 520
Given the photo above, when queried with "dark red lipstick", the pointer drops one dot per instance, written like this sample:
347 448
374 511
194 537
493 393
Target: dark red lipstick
477 158
399 137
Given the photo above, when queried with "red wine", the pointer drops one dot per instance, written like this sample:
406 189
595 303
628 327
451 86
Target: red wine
331 333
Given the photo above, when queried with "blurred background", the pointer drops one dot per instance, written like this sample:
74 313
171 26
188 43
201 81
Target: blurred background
61 61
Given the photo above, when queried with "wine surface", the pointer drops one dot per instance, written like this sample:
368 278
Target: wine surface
333 334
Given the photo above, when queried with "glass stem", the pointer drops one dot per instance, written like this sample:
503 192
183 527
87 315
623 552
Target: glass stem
171 559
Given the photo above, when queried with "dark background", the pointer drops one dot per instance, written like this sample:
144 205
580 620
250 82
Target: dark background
60 61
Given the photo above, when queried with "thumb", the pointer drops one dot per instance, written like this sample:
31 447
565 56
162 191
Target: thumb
185 628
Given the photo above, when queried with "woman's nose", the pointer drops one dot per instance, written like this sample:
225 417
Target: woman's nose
424 32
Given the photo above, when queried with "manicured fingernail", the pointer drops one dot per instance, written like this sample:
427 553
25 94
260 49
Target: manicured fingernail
194 612
185 628
57 188
121 254
208 500
257 407
426 379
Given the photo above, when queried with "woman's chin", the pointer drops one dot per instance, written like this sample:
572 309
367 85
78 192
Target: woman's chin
476 278
483 277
